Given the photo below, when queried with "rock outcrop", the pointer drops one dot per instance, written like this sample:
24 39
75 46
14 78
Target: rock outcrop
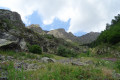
36 28
61 33
47 60
10 22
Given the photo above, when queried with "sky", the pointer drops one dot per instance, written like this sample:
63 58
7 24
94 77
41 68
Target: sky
76 16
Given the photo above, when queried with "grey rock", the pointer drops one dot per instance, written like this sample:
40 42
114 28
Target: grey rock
23 45
33 67
21 65
117 75
2 58
14 17
66 61
47 60
10 58
89 62
7 36
3 78
4 42
61 33
4 73
19 44
27 66
78 63
36 28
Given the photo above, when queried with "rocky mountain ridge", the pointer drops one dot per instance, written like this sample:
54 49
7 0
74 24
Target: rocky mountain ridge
68 36
61 33
89 37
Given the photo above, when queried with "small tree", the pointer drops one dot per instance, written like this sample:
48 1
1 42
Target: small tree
35 49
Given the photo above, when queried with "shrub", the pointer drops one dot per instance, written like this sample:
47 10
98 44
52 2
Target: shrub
62 51
49 36
35 49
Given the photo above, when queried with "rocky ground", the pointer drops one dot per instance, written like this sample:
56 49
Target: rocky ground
35 64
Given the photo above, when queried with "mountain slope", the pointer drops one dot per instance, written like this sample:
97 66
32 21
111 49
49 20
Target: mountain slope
112 33
109 40
88 38
85 39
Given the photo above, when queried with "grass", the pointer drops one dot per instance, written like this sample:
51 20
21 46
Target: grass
99 70
18 55
57 71
25 55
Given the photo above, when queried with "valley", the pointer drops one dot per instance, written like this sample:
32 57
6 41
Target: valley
30 53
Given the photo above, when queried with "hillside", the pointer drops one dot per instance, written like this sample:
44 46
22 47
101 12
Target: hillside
30 53
16 36
89 37
112 33
109 40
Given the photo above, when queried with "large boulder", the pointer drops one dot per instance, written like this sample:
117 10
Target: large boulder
23 45
4 42
16 45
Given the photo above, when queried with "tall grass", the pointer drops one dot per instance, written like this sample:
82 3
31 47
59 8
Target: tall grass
17 55
57 72
14 74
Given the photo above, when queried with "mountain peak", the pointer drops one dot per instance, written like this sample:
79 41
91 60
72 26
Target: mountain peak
36 28
34 25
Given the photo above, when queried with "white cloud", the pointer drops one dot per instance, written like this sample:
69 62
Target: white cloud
86 15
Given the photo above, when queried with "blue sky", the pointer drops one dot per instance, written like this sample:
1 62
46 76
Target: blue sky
35 18
76 16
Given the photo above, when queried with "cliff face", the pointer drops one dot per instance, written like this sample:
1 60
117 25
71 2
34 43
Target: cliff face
9 18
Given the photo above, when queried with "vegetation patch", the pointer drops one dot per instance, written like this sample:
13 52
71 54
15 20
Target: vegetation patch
65 52
35 49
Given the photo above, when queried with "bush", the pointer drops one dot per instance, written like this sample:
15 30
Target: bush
62 51
35 49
